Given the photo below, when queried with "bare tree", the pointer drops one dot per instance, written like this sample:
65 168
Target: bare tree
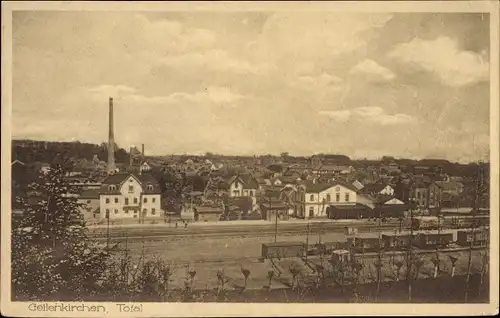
246 274
398 264
436 262
453 260
295 270
270 276
222 280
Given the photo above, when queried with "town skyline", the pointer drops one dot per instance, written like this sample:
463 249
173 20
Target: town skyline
137 149
257 89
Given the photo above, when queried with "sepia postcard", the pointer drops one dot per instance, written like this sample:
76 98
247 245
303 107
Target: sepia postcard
202 159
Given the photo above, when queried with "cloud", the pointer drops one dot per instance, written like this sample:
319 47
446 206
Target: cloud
212 95
372 71
338 115
214 60
455 68
111 90
375 115
284 35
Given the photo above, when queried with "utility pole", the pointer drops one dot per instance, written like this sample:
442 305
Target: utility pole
276 223
474 212
107 230
410 247
307 238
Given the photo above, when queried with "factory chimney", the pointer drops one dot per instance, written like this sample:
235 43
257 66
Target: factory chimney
111 140
143 150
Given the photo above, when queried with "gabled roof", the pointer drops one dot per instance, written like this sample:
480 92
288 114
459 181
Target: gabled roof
312 187
449 185
118 179
358 185
374 187
248 181
17 162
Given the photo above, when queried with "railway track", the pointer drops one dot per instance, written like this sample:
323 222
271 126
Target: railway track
159 235
233 230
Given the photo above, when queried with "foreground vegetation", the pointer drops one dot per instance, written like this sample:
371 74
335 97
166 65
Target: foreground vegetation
54 259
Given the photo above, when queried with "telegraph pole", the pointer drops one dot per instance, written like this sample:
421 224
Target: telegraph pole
107 230
275 224
307 238
474 212
410 246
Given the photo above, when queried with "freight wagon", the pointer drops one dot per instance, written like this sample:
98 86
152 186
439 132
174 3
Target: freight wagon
464 237
397 240
283 250
432 240
364 244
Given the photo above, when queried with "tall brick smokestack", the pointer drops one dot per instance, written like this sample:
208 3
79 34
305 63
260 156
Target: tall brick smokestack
143 150
111 140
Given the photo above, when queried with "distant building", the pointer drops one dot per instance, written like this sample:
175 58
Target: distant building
358 185
90 203
318 196
325 169
243 185
442 191
378 188
145 167
126 195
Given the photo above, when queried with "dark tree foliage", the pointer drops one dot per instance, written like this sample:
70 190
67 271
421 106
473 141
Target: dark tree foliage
29 151
51 253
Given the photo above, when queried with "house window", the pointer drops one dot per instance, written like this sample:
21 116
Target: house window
116 200
130 188
145 200
328 198
153 200
116 211
107 200
236 193
88 201
126 200
347 197
149 187
153 211
337 197
112 188
311 212
311 198
145 211
135 200
107 211
126 211
251 193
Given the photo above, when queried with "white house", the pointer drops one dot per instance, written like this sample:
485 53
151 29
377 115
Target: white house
125 195
394 201
317 197
243 185
145 167
387 190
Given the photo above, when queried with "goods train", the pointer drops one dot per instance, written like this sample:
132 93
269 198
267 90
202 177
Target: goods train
447 222
425 240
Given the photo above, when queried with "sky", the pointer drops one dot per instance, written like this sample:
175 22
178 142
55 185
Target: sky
412 85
